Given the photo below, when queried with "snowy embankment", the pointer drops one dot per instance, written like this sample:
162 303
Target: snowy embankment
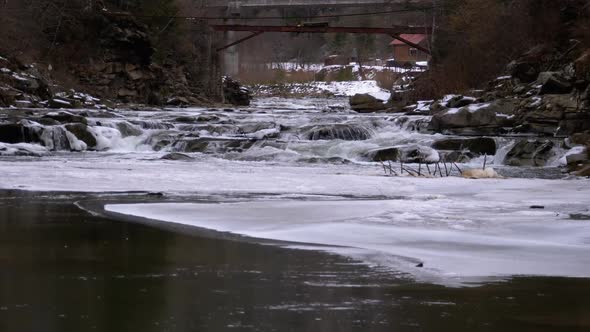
339 89
462 230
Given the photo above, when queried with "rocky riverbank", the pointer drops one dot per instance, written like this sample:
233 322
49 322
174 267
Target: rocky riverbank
543 98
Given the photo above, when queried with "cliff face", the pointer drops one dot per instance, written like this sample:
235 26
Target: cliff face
125 70
114 57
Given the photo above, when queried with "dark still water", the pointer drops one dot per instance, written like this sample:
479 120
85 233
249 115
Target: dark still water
63 269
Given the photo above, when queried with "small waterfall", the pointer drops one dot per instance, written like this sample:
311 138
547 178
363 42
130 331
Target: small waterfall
153 124
55 138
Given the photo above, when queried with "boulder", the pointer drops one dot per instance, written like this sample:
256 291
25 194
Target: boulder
177 156
186 119
384 154
81 132
576 158
582 66
59 103
364 103
478 145
347 132
196 145
524 71
18 133
583 171
235 94
456 156
527 67
178 101
66 117
127 129
530 153
579 139
574 122
486 117
7 97
460 101
553 83
405 153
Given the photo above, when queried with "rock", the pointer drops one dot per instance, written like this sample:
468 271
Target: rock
478 146
135 75
208 118
347 132
364 103
59 103
523 71
234 93
127 129
81 132
527 67
582 66
18 133
407 154
460 101
178 101
530 153
196 145
583 171
574 122
177 156
124 92
577 158
553 83
579 139
66 117
186 119
385 154
486 118
456 156
7 97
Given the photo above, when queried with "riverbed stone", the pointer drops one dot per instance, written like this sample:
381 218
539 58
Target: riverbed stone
530 153
177 157
66 117
485 118
477 145
82 133
365 103
18 133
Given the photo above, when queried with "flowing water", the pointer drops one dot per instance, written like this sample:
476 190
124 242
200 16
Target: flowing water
276 218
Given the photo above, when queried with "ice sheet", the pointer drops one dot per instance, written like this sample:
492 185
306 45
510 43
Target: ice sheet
456 240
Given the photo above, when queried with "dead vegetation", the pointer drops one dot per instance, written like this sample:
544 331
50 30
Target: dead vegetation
476 39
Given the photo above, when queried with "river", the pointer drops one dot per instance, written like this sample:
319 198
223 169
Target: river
276 218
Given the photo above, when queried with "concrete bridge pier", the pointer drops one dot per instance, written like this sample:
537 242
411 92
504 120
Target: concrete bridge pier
231 56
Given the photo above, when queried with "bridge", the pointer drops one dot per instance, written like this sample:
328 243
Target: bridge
308 3
238 12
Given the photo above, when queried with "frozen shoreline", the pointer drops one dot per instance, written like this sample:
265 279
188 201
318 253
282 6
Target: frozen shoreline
461 229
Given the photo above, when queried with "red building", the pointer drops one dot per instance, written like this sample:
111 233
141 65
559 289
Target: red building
404 53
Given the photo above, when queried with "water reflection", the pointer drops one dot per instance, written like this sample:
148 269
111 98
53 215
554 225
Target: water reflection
65 270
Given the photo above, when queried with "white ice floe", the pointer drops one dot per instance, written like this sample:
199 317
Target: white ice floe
457 240
22 149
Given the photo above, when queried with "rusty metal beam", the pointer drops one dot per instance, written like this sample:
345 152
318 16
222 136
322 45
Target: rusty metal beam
414 45
240 41
395 30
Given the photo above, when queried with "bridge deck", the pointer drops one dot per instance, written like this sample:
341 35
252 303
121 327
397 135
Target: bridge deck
309 3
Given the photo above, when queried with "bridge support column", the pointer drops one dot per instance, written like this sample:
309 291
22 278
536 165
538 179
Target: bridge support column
231 56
